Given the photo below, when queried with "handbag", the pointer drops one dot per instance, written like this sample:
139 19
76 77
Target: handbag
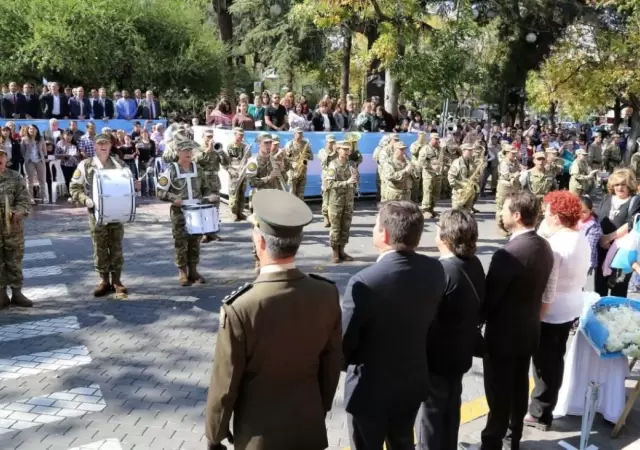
479 347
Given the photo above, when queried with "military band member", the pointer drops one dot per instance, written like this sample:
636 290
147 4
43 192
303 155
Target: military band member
326 155
341 181
538 180
398 175
239 153
278 353
431 161
15 205
209 159
612 155
299 154
582 177
416 188
355 155
459 177
107 239
451 153
279 156
594 153
508 182
491 171
380 154
554 165
262 174
182 184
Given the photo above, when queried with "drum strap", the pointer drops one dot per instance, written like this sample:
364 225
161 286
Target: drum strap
187 177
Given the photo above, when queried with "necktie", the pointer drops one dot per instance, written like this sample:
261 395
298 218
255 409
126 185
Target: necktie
14 99
153 111
81 106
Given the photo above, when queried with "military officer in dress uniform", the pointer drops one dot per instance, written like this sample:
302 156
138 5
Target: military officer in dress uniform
15 205
209 159
299 154
538 180
108 258
278 352
326 155
508 182
398 175
431 161
582 177
239 153
181 184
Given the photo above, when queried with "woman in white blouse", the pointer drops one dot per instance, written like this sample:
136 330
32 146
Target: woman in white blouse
561 302
34 154
297 119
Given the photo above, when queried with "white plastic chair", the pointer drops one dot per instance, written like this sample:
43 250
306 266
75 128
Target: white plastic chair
58 183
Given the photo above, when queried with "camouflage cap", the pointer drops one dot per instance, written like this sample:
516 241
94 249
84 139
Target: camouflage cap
466 147
102 137
298 130
539 155
509 148
187 145
275 138
238 130
422 133
343 144
331 138
264 137
552 150
434 136
581 151
278 213
399 146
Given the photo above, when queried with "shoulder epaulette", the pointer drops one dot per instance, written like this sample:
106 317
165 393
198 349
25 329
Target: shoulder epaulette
237 293
318 277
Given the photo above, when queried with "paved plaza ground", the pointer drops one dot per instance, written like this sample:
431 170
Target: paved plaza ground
81 373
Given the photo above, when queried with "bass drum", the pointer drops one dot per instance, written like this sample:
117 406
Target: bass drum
201 219
113 195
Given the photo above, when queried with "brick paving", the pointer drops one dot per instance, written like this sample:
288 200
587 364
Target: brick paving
116 375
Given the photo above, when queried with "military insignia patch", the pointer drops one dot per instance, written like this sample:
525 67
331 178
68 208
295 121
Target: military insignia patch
77 174
163 181
331 173
252 166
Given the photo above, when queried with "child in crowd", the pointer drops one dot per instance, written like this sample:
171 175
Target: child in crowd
590 227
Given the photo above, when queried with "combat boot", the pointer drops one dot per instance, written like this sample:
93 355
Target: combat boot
335 257
206 238
428 215
327 224
18 298
194 276
117 284
104 287
4 298
343 255
183 277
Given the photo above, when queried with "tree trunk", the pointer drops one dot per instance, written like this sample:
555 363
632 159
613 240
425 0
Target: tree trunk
617 115
632 144
225 24
552 114
392 87
375 78
346 64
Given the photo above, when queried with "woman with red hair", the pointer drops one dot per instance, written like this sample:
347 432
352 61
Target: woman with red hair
562 302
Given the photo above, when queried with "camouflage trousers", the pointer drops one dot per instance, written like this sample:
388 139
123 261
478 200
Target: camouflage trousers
186 247
431 186
340 217
297 186
236 198
457 203
11 254
390 194
325 204
416 190
378 184
107 246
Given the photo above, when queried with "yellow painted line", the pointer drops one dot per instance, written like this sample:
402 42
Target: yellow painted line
473 409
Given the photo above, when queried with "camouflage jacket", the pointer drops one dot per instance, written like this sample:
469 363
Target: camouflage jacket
298 153
237 157
171 187
14 194
508 174
428 160
340 191
210 161
395 176
325 159
459 172
259 173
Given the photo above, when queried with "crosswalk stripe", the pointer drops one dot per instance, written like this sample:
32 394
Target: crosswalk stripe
38 256
39 328
38 363
107 444
47 271
28 243
35 411
58 291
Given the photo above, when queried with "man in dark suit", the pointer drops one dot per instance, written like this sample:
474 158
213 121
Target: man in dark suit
54 104
102 107
516 280
14 105
149 108
32 103
277 361
79 107
386 312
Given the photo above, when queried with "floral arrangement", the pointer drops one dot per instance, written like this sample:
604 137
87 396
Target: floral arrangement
623 325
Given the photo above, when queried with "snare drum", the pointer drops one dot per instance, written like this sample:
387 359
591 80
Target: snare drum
201 219
113 195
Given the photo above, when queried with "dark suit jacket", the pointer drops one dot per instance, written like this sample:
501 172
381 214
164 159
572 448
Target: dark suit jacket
318 122
74 108
32 106
386 313
624 215
516 280
144 109
99 112
11 106
46 105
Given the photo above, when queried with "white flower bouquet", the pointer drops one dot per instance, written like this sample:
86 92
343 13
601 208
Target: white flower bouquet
612 327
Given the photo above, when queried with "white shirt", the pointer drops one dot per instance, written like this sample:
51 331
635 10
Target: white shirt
383 254
518 233
572 256
7 149
272 268
327 122
55 110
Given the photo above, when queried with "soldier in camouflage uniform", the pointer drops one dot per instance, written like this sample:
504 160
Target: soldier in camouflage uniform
173 187
209 161
262 174
378 153
341 182
299 154
451 153
107 239
459 176
594 153
612 155
538 180
430 161
326 155
508 182
554 165
634 164
416 189
398 175
15 205
172 136
239 153
582 177
279 156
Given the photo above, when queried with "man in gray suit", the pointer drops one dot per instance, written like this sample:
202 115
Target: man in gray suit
149 108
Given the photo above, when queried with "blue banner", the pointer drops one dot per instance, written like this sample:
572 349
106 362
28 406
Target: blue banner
114 124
